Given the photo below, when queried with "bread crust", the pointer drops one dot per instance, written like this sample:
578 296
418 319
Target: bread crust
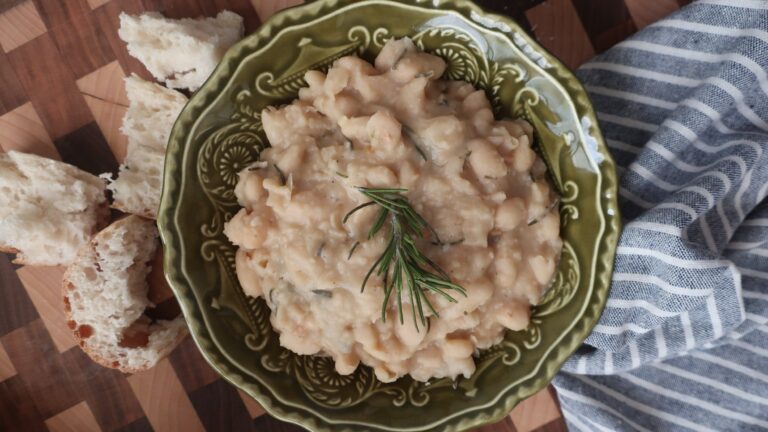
69 286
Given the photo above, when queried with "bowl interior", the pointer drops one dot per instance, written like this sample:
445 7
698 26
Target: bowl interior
220 132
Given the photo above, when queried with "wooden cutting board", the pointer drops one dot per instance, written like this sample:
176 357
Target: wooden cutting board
61 96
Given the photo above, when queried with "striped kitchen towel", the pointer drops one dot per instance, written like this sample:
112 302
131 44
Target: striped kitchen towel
683 341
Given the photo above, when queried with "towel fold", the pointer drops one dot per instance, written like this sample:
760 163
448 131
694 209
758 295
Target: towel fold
683 341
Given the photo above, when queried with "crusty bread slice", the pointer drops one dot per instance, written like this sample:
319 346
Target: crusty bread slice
151 113
152 110
48 209
105 297
182 53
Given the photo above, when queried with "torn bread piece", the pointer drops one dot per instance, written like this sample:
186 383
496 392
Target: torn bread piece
105 297
48 208
181 53
148 122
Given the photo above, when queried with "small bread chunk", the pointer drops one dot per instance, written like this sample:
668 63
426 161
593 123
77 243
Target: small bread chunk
48 209
147 123
182 53
105 295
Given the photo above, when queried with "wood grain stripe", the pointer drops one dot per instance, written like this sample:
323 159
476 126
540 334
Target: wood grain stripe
190 366
505 425
93 4
16 309
22 130
644 12
13 93
557 425
106 390
20 25
207 8
601 18
558 27
81 44
271 424
8 4
60 12
50 85
36 363
79 418
140 425
19 410
163 399
43 284
6 367
253 407
535 411
104 93
107 21
87 149
220 407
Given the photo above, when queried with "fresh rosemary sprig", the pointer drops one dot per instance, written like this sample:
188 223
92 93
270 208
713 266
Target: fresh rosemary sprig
402 266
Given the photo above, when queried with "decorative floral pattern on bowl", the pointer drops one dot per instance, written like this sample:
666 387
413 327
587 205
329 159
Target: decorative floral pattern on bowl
220 132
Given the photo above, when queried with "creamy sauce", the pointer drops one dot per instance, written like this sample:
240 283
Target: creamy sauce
473 178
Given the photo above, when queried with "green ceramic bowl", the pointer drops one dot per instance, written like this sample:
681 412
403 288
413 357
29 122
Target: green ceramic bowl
220 132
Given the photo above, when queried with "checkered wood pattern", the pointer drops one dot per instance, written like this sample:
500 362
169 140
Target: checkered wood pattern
61 69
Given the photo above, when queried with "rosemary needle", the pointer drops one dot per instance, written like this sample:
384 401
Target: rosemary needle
402 266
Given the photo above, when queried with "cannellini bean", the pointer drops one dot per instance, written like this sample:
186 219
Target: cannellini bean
291 159
510 214
355 128
477 223
249 228
514 314
523 156
459 89
543 268
486 162
501 138
527 128
355 65
476 101
249 279
505 271
458 348
407 332
442 137
385 132
539 192
514 128
314 78
366 335
417 66
343 105
373 176
548 229
482 120
384 375
392 52
300 345
346 363
478 292
408 174
249 190
336 81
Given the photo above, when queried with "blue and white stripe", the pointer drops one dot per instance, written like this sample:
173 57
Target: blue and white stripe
683 341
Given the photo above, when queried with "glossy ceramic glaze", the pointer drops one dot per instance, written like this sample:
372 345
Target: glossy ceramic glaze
219 133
